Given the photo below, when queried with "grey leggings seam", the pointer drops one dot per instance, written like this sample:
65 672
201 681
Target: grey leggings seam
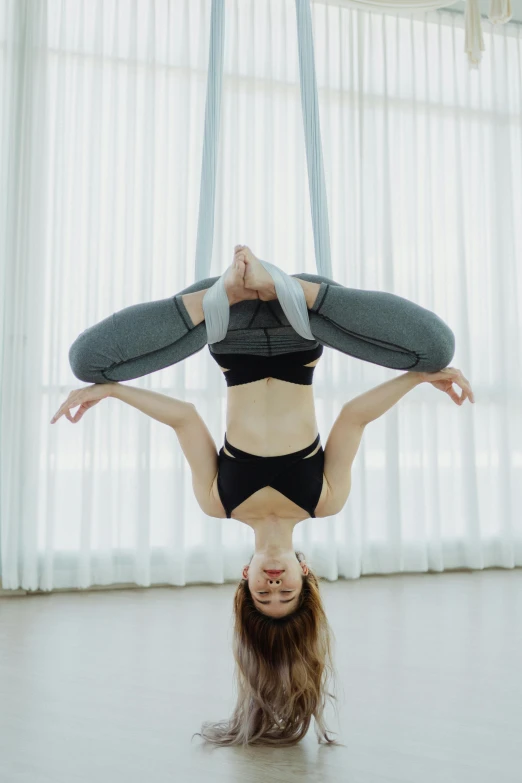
274 314
323 298
373 341
180 311
253 316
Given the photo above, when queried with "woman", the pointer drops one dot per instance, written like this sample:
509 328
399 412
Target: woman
272 471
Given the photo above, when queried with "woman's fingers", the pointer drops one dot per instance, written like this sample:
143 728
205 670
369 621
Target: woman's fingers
444 381
79 413
85 398
66 412
64 409
57 415
467 392
466 388
453 394
456 377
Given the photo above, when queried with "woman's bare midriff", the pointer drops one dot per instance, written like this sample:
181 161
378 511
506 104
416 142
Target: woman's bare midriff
271 417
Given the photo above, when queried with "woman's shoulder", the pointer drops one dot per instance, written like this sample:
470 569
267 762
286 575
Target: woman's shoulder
332 502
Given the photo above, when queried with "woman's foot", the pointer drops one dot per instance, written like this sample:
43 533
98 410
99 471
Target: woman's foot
234 280
256 276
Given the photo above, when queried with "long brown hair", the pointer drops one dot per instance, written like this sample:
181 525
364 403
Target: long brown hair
282 667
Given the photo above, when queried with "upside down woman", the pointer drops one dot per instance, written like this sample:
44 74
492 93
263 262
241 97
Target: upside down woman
267 330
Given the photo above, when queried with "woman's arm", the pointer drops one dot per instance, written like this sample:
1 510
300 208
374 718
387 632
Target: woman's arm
372 404
167 410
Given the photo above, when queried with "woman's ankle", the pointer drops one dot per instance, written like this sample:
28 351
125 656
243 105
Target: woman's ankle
194 305
310 291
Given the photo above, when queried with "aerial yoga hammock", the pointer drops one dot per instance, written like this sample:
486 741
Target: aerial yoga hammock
274 338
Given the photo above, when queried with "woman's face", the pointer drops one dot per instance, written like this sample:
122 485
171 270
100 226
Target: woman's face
275 594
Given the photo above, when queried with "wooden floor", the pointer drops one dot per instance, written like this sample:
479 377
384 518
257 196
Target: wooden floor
109 686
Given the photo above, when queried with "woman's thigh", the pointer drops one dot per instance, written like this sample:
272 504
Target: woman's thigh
138 340
379 327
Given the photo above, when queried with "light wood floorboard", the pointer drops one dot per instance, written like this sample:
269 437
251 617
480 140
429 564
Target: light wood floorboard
109 686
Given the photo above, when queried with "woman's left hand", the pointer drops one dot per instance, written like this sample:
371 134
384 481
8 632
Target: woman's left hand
85 398
444 381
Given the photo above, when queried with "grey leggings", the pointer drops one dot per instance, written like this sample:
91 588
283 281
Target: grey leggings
374 326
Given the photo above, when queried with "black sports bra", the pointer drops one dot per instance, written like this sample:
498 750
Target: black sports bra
245 368
297 478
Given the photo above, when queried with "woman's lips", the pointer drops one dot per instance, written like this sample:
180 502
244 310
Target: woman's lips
273 573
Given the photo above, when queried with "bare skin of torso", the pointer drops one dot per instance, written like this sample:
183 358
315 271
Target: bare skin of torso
270 417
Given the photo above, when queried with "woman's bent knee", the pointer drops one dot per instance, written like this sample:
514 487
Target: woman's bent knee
94 351
81 363
441 350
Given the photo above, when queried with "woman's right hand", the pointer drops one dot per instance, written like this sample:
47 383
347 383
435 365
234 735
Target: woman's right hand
85 398
444 381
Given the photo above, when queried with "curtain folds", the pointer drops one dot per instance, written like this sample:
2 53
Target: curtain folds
500 11
102 116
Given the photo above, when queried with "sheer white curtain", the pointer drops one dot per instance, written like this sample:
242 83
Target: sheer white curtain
101 131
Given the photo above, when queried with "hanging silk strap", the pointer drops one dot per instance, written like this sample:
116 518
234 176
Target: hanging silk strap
292 300
207 195
289 292
314 156
216 308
